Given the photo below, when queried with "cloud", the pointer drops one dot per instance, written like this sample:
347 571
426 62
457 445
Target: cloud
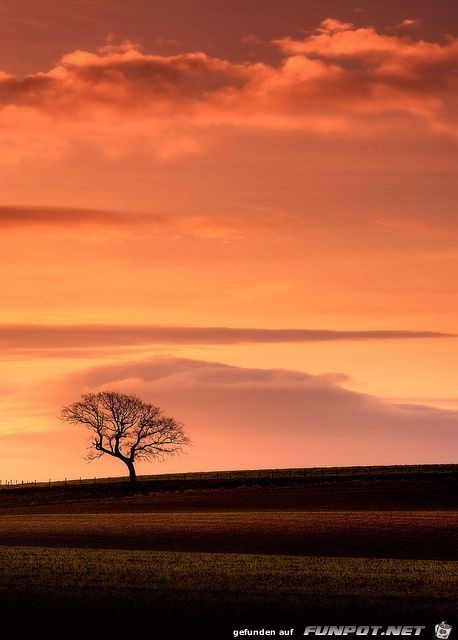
27 337
338 80
227 228
331 25
409 23
373 72
23 216
247 417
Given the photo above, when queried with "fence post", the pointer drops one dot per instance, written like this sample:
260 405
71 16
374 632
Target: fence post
49 484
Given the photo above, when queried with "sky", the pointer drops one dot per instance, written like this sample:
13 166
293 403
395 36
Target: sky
244 212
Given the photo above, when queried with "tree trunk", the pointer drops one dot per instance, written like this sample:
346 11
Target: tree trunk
132 473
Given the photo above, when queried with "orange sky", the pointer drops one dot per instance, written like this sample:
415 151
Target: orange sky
273 190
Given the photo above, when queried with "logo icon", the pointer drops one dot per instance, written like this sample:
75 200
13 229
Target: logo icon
443 631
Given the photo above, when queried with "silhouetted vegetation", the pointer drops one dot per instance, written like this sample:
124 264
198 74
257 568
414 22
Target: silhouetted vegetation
126 428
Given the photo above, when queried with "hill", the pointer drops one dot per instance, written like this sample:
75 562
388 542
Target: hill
391 487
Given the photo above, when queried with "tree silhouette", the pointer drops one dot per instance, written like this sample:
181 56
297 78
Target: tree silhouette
127 428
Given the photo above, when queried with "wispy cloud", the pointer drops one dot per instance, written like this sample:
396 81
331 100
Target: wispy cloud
43 337
24 216
409 23
299 418
238 417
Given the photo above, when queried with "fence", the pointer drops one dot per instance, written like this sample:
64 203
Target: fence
311 473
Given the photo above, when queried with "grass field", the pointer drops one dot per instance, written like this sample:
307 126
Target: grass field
240 588
389 534
220 558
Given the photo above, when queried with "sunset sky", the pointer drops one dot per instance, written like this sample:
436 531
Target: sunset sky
243 211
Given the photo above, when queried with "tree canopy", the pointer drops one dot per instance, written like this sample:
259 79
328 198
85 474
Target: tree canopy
125 427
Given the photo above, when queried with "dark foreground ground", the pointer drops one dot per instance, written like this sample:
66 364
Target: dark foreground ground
359 534
224 558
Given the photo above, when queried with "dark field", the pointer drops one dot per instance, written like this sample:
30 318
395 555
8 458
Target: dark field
390 534
215 593
422 495
228 557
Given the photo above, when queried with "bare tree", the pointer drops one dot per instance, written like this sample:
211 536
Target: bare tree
127 428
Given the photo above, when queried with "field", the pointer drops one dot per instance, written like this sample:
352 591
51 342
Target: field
390 534
229 557
221 589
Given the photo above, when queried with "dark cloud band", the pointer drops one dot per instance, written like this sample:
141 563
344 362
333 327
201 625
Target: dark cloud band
20 216
30 336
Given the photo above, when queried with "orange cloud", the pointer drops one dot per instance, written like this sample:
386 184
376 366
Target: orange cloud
379 73
409 23
322 423
43 337
21 216
337 79
281 417
221 228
